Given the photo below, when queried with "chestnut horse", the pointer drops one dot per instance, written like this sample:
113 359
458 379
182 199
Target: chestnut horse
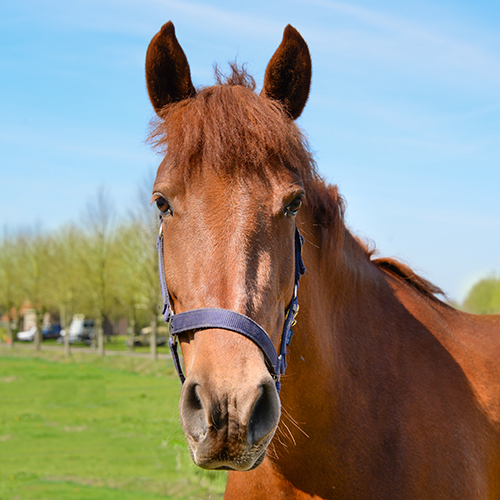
389 393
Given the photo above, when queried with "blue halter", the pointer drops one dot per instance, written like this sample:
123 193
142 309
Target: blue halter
199 319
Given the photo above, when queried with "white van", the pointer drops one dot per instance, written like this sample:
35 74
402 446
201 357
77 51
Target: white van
81 329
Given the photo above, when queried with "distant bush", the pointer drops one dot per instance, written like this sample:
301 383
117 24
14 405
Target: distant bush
484 297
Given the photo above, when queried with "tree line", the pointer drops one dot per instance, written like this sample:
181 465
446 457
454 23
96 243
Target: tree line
102 267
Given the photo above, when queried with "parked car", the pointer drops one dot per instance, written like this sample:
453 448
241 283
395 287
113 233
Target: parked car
144 338
80 330
51 331
48 332
139 341
27 336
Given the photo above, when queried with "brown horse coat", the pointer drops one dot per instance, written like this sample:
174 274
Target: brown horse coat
389 392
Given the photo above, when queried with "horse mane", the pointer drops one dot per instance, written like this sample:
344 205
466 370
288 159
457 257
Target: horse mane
405 274
230 128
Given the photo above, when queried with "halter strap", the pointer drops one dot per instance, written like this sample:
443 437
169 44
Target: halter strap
225 319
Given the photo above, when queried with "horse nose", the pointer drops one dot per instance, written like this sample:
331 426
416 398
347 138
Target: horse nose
192 410
221 418
265 413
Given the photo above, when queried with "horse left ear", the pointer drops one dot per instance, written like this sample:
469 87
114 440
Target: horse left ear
168 76
288 74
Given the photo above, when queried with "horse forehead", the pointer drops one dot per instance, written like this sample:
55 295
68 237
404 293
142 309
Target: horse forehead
208 189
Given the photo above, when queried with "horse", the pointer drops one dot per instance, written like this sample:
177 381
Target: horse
389 393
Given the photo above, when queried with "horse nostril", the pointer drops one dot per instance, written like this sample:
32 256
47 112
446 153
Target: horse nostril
265 414
193 412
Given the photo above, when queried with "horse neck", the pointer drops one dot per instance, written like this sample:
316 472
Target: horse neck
340 296
344 299
329 352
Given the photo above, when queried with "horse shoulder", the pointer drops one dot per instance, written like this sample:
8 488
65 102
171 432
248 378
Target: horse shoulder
473 341
479 353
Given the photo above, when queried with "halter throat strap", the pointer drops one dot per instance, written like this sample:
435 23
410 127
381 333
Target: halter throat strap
225 319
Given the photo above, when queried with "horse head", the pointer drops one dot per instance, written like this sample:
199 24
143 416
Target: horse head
229 190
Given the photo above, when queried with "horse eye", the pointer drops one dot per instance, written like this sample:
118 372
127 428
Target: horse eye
292 209
163 206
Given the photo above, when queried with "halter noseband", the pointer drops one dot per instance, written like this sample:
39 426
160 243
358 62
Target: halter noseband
199 319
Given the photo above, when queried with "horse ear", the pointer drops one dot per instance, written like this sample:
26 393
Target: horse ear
167 70
288 74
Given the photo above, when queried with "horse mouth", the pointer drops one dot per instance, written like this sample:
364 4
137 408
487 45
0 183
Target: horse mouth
254 466
231 460
241 463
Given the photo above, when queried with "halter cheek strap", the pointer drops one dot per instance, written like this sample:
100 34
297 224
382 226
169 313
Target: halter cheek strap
200 319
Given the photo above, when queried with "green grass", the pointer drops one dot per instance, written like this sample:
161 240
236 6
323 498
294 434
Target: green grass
94 428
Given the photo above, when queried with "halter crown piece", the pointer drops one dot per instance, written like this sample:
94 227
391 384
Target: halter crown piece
202 319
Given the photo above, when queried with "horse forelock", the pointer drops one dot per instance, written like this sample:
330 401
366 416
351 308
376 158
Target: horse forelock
238 76
231 129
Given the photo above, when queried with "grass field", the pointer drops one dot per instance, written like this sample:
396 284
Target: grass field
89 428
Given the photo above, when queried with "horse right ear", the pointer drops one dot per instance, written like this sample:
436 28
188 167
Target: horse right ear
167 70
288 74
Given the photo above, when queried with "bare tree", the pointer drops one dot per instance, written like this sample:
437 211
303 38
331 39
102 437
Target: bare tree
11 296
36 260
130 293
138 250
140 288
99 259
69 277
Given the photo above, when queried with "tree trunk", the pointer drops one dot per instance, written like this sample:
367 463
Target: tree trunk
100 336
153 339
37 341
67 348
65 327
131 334
10 331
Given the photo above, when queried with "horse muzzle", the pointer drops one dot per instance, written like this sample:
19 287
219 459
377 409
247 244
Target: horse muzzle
230 426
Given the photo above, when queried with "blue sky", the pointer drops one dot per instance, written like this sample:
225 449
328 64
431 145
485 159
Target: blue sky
404 111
